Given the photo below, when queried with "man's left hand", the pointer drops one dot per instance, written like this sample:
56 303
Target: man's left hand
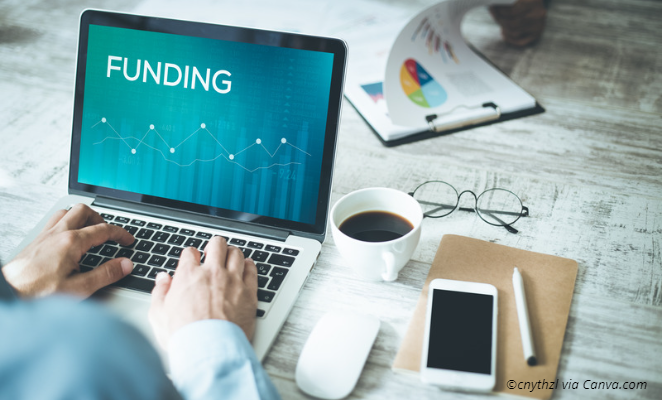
522 23
50 263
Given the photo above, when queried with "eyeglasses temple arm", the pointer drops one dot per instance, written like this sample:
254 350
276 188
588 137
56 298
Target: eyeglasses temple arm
508 227
525 213
440 207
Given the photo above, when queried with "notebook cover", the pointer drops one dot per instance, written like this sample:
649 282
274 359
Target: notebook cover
549 284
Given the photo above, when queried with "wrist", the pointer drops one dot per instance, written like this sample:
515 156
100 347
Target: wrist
200 339
12 275
7 291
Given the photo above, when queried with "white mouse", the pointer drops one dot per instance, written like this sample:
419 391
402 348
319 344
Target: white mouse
334 354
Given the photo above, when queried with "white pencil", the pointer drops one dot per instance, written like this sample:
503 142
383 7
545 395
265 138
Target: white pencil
523 316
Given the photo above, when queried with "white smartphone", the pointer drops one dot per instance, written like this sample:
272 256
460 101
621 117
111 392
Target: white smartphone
459 347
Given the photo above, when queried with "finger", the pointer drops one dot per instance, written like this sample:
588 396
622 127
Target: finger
519 8
54 219
79 216
216 252
235 261
250 275
190 258
520 40
504 13
512 26
95 235
161 288
496 12
524 25
87 283
158 317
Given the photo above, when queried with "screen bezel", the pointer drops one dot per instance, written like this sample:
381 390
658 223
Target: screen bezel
454 379
336 47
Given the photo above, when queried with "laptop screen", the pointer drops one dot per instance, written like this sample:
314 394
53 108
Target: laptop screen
229 121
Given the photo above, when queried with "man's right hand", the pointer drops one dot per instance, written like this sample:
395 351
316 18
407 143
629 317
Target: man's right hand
224 287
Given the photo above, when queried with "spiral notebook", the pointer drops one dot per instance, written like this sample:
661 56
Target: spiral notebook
550 283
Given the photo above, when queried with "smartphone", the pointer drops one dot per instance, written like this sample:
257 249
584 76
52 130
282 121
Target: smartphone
459 347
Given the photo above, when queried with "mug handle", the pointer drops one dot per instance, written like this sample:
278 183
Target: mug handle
390 273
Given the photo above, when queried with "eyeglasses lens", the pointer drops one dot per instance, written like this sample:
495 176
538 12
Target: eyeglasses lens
437 199
499 207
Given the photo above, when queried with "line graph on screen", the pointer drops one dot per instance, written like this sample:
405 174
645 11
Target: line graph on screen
135 145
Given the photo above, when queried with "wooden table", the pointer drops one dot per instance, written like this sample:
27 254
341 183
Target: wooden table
589 169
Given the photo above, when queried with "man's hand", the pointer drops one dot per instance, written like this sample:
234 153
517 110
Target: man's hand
522 23
50 263
224 287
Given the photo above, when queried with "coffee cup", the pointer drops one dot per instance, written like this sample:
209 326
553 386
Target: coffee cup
376 231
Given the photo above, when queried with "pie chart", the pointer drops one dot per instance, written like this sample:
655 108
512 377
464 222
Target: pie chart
419 86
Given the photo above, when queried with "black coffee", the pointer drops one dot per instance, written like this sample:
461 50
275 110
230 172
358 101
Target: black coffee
375 226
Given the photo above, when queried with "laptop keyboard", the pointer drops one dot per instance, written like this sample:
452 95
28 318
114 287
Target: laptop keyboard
158 246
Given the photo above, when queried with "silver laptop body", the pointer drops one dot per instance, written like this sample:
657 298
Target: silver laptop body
189 130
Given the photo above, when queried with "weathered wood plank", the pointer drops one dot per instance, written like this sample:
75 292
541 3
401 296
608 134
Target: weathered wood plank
22 206
35 132
600 53
587 145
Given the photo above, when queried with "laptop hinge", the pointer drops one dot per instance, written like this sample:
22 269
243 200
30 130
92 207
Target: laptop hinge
192 218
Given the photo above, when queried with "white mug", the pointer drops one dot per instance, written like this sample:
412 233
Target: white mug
376 261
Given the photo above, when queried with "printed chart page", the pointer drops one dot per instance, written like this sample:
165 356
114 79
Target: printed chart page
431 70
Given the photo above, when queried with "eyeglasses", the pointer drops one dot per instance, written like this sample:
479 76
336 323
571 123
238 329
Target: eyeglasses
499 207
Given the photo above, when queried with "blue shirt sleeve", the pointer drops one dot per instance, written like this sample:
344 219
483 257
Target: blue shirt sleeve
213 359
59 348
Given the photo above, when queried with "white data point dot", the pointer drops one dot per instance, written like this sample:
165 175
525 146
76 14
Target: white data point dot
203 126
283 140
172 149
133 151
103 120
231 156
151 126
258 141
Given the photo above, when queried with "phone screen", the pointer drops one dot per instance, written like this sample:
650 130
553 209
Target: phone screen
461 331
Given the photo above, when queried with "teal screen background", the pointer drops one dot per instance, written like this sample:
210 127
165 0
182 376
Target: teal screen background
256 149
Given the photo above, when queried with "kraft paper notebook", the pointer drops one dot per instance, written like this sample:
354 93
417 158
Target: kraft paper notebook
550 283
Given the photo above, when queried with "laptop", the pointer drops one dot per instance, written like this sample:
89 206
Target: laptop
183 131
